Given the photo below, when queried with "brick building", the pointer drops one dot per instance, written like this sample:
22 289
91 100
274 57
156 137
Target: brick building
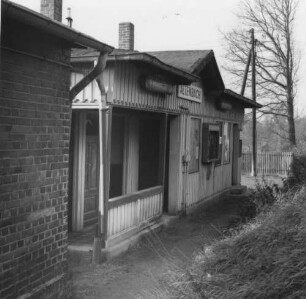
35 123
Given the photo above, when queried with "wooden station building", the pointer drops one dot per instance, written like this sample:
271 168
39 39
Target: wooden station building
167 132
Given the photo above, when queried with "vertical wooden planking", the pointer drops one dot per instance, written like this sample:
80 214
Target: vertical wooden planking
114 224
118 220
152 205
148 207
269 163
114 211
110 223
122 216
123 224
128 215
114 220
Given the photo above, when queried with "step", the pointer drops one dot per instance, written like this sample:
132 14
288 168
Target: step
238 190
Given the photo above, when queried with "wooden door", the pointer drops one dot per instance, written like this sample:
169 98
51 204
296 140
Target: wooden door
91 194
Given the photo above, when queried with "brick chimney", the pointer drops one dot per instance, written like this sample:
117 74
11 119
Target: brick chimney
52 9
126 36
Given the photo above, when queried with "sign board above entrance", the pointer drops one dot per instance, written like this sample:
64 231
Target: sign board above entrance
190 92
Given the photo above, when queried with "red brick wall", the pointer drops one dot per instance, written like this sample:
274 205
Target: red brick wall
35 118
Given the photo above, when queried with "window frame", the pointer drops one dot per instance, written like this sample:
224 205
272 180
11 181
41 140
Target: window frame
207 130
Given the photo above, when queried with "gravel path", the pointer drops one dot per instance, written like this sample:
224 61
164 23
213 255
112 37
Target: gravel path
141 272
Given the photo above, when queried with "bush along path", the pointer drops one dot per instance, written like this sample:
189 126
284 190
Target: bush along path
264 259
147 270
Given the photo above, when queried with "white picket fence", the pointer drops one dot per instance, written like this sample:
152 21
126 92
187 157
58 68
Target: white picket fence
268 163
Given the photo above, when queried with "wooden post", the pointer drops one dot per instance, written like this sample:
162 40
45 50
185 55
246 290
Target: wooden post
79 172
107 170
100 233
245 77
164 150
254 145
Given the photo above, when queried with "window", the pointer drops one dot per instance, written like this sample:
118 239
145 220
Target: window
195 127
210 142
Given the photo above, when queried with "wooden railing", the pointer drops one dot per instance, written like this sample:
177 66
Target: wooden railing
130 211
268 163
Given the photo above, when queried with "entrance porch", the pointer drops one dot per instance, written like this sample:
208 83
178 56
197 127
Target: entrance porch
137 154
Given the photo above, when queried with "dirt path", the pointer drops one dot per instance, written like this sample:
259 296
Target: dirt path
140 272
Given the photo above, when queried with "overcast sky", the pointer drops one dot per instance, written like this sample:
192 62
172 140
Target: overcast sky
169 25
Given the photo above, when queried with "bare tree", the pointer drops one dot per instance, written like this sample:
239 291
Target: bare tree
276 61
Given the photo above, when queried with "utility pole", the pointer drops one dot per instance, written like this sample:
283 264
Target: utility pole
254 143
245 77
252 54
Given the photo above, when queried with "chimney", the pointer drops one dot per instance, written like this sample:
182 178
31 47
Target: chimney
52 9
126 36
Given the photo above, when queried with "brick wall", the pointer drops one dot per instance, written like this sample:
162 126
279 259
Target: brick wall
35 118
52 9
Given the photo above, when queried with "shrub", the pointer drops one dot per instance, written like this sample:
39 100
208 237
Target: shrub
261 198
298 167
266 259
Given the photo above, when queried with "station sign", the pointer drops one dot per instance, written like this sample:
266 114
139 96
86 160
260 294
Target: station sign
190 92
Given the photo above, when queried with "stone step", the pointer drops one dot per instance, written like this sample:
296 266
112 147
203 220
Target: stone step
238 190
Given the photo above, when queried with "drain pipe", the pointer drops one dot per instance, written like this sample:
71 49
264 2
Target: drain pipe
74 91
101 231
98 69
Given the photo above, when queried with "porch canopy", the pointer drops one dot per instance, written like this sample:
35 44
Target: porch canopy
234 97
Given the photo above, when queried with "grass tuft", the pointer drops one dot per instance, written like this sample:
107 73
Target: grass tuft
264 259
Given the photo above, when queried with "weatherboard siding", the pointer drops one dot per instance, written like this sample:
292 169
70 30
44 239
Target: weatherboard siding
127 92
123 80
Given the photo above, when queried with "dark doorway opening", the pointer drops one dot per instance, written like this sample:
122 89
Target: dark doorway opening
149 152
166 180
117 156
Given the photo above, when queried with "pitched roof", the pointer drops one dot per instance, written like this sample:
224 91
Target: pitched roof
182 75
197 62
29 17
186 60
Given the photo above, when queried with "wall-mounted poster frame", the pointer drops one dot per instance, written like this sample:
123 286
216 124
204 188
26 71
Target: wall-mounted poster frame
195 129
226 142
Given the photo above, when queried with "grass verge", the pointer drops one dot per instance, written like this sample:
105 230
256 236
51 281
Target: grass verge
263 259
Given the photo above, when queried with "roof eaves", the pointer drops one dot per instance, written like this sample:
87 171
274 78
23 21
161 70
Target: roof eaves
30 17
247 103
144 57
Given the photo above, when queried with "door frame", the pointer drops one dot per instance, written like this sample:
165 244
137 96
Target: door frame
174 167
